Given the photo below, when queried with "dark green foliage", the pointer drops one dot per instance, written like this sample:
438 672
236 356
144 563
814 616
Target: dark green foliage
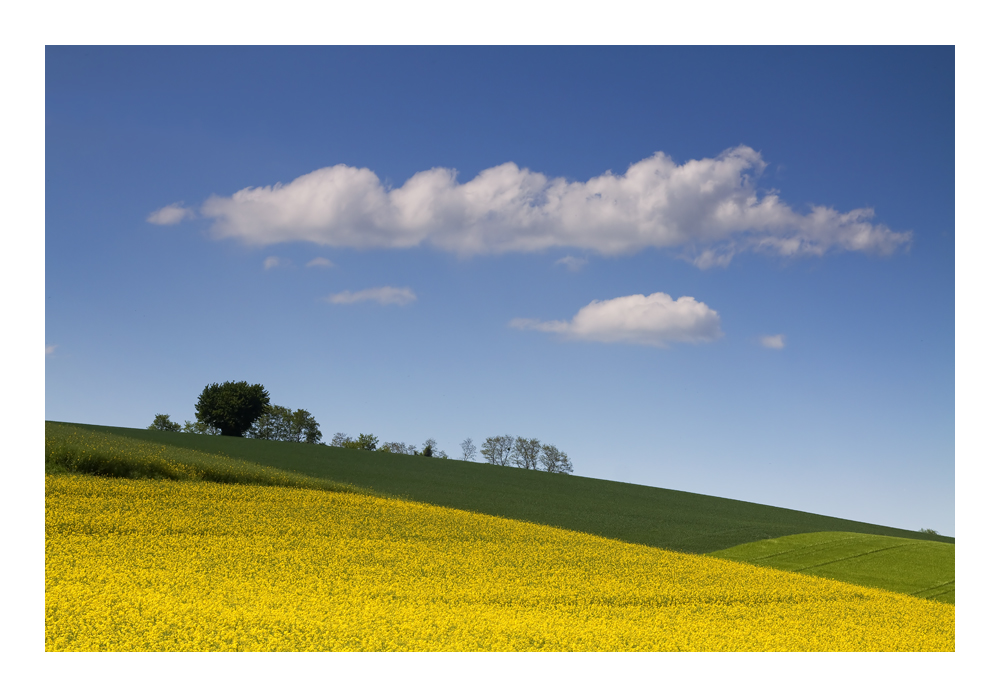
642 514
428 451
915 567
162 422
232 407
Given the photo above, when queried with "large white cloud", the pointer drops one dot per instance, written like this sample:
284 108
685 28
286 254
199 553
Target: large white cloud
386 295
655 320
706 210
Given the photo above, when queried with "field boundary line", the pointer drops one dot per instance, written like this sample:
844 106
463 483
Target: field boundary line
940 585
855 556
817 544
931 597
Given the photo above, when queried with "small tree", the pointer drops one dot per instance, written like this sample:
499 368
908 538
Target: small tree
398 448
555 460
430 448
496 450
232 407
526 453
468 449
200 428
339 439
274 424
281 423
306 427
162 422
365 441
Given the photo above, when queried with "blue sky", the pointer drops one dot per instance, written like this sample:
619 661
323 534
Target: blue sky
804 200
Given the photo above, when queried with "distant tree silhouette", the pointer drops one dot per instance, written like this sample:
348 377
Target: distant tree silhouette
162 422
231 407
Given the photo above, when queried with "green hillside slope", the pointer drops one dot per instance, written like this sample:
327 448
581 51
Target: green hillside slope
645 515
915 567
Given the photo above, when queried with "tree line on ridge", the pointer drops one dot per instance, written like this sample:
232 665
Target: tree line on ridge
242 410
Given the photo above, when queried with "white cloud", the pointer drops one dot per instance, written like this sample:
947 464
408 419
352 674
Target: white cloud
655 320
50 349
775 342
170 215
272 262
572 263
320 261
705 210
386 295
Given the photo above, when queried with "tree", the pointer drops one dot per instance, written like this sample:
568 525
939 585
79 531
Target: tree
398 448
430 448
200 428
555 460
365 441
281 423
232 407
274 424
162 422
526 453
468 449
496 450
306 427
339 439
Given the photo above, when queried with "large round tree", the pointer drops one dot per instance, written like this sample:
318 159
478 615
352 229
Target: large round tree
232 407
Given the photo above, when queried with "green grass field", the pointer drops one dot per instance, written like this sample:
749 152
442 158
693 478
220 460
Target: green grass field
915 567
74 450
645 515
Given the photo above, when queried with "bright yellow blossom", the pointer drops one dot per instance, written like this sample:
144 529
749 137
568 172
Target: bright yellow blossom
195 566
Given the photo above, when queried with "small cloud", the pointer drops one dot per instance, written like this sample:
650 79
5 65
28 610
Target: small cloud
272 262
653 320
773 342
320 261
710 258
386 295
50 349
170 215
572 263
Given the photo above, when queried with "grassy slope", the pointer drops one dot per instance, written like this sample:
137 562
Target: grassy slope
73 450
646 515
915 567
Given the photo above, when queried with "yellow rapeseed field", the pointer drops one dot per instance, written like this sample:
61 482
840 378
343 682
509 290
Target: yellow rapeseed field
196 566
